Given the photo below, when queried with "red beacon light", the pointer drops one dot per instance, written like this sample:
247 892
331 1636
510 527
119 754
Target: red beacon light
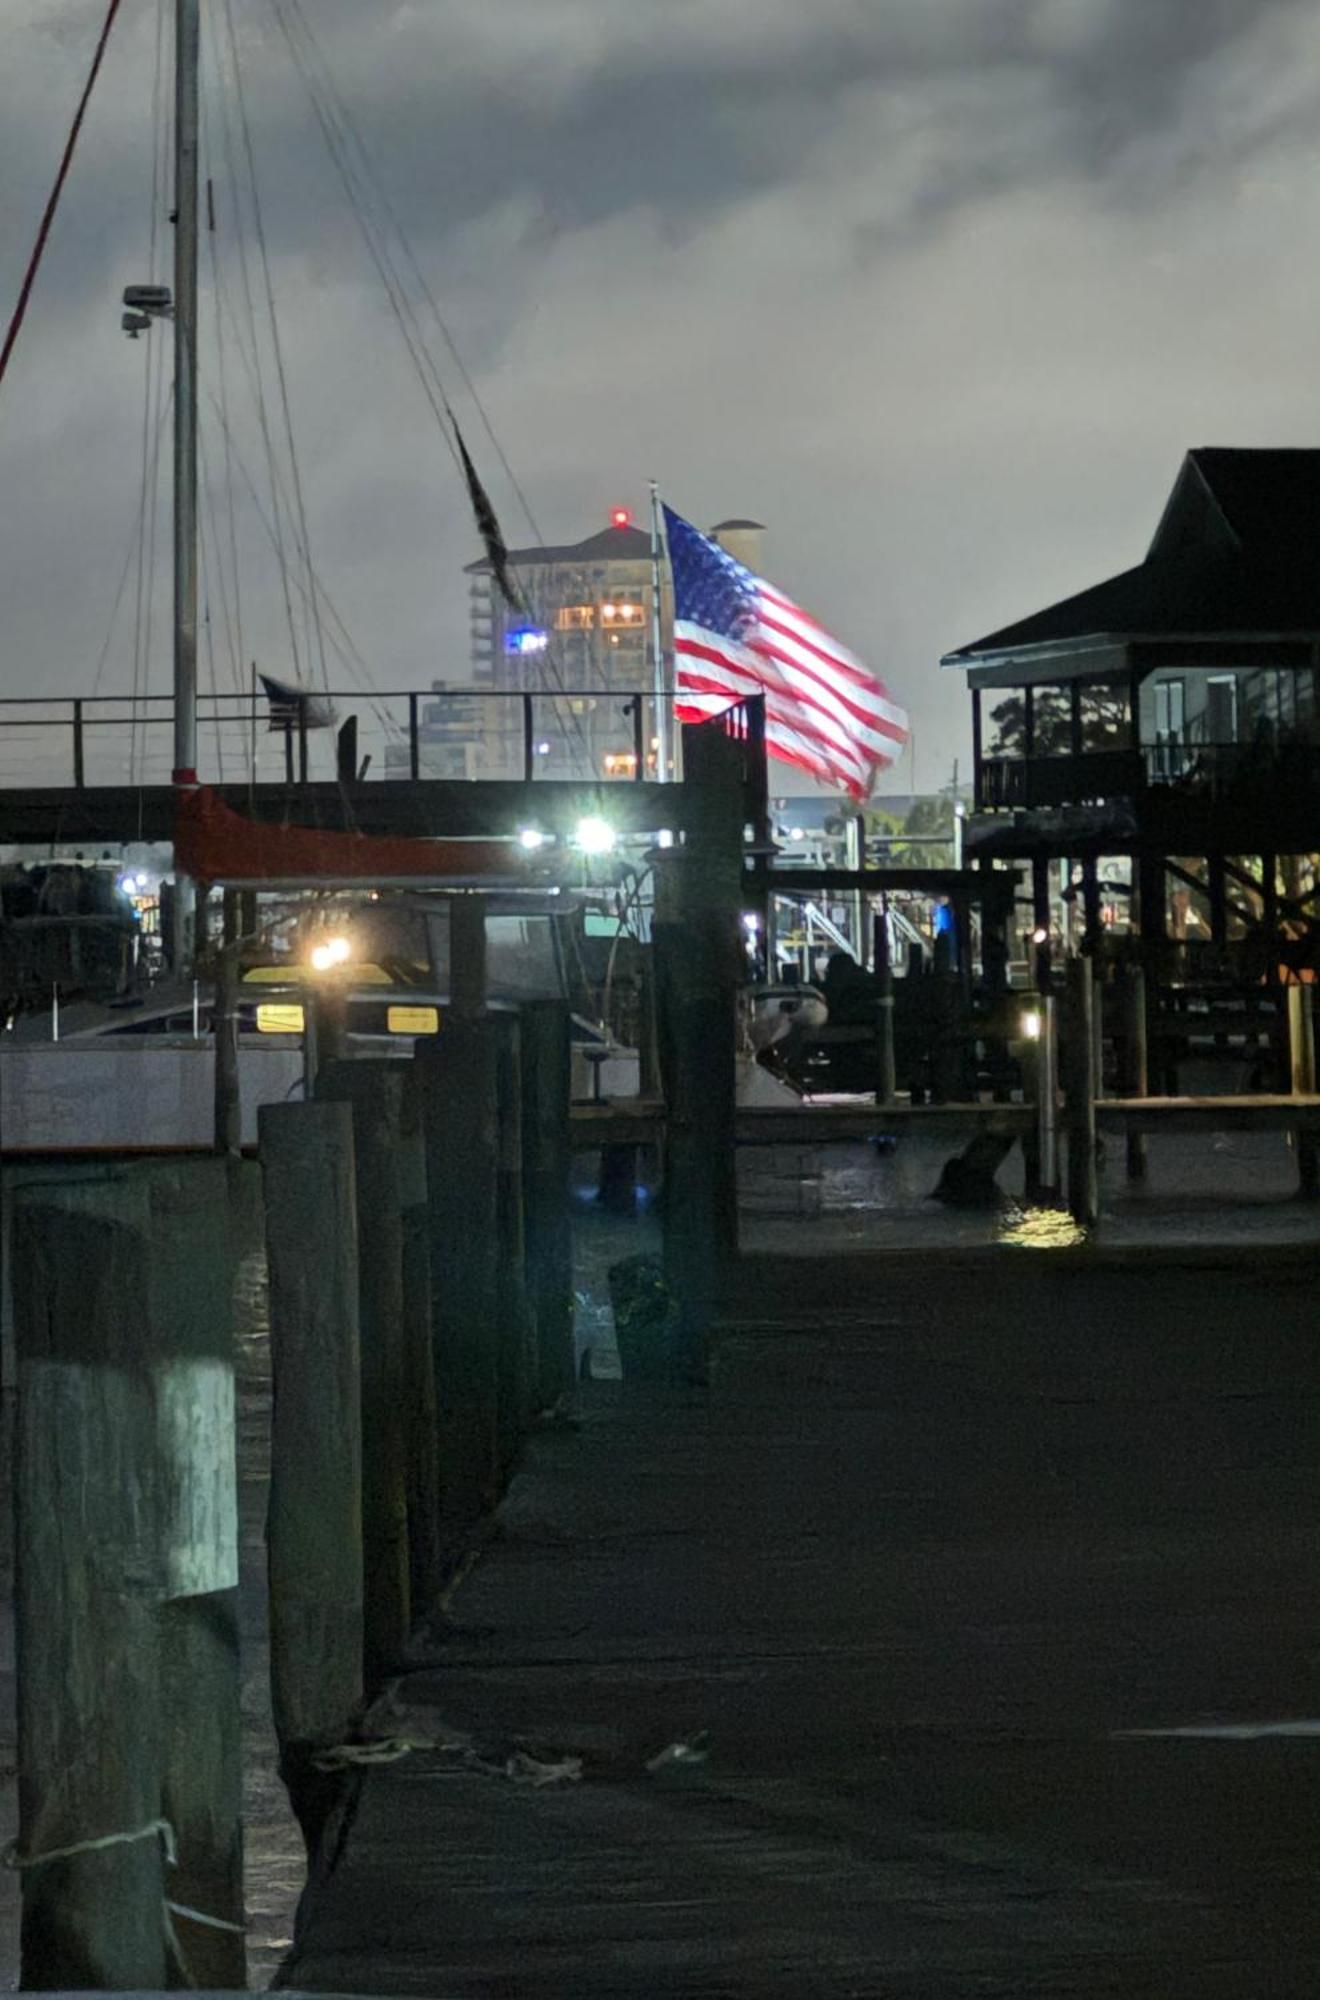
621 517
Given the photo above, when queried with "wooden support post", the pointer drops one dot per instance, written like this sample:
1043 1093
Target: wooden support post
1136 1073
1083 1179
422 1428
457 1073
314 1525
126 1528
224 1036
1216 876
1040 917
1269 912
88 1585
996 915
189 1309
326 1004
467 956
1046 1092
886 1072
698 913
547 1215
1302 1066
1093 929
374 1090
514 1354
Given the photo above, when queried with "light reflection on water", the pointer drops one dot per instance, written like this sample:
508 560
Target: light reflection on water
1040 1229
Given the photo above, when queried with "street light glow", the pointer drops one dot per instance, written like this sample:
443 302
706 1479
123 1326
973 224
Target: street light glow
595 836
530 838
334 951
1031 1025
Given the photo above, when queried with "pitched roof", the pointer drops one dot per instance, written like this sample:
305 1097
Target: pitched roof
1237 551
607 545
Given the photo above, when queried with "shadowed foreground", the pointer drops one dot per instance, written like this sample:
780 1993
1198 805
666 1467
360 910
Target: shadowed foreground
923 1554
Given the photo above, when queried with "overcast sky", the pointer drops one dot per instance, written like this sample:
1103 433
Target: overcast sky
940 290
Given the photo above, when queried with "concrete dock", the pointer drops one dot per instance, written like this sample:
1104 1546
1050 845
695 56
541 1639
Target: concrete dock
982 1592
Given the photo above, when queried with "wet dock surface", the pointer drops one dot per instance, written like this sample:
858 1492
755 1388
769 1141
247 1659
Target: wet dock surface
913 1576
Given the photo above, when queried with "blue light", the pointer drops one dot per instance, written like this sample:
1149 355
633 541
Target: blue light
526 639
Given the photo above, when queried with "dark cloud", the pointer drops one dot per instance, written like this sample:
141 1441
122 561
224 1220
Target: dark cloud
941 288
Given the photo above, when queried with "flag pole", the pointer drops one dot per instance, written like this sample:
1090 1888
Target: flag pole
661 693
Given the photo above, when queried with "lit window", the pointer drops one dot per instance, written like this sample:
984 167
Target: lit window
620 614
620 764
277 1020
575 617
413 1020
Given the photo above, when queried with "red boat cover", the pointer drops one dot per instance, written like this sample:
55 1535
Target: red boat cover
212 843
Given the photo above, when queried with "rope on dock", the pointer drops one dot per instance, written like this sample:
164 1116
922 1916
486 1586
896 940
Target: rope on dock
16 1861
519 1766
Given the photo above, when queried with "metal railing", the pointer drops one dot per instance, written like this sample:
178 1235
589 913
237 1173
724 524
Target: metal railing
402 735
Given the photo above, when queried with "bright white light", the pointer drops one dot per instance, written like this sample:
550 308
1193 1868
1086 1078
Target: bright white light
1031 1026
595 836
129 884
752 921
1040 935
543 749
321 959
530 838
795 833
340 950
665 837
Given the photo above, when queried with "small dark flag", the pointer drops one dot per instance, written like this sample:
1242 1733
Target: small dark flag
488 528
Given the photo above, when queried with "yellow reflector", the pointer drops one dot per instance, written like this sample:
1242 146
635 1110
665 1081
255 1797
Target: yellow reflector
273 1019
413 1020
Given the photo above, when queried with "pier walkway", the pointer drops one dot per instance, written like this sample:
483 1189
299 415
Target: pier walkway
912 1579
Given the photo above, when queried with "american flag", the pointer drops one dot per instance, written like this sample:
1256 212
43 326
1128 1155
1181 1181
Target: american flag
737 635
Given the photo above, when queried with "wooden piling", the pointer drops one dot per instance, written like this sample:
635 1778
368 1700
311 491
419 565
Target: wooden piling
374 1089
457 1071
421 1422
190 1316
513 1364
697 942
1083 1177
224 1036
886 1070
88 1586
547 1214
314 1525
1302 1068
128 1673
1136 1075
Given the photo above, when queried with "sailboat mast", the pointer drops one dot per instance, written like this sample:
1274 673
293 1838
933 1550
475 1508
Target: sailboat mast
186 58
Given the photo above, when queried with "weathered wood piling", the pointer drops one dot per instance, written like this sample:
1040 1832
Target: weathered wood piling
126 1627
314 1526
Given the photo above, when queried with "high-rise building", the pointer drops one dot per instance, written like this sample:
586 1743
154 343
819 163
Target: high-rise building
584 646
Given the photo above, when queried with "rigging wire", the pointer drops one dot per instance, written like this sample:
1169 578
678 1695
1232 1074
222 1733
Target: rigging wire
253 362
132 550
25 289
381 193
300 513
335 121
234 621
340 638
